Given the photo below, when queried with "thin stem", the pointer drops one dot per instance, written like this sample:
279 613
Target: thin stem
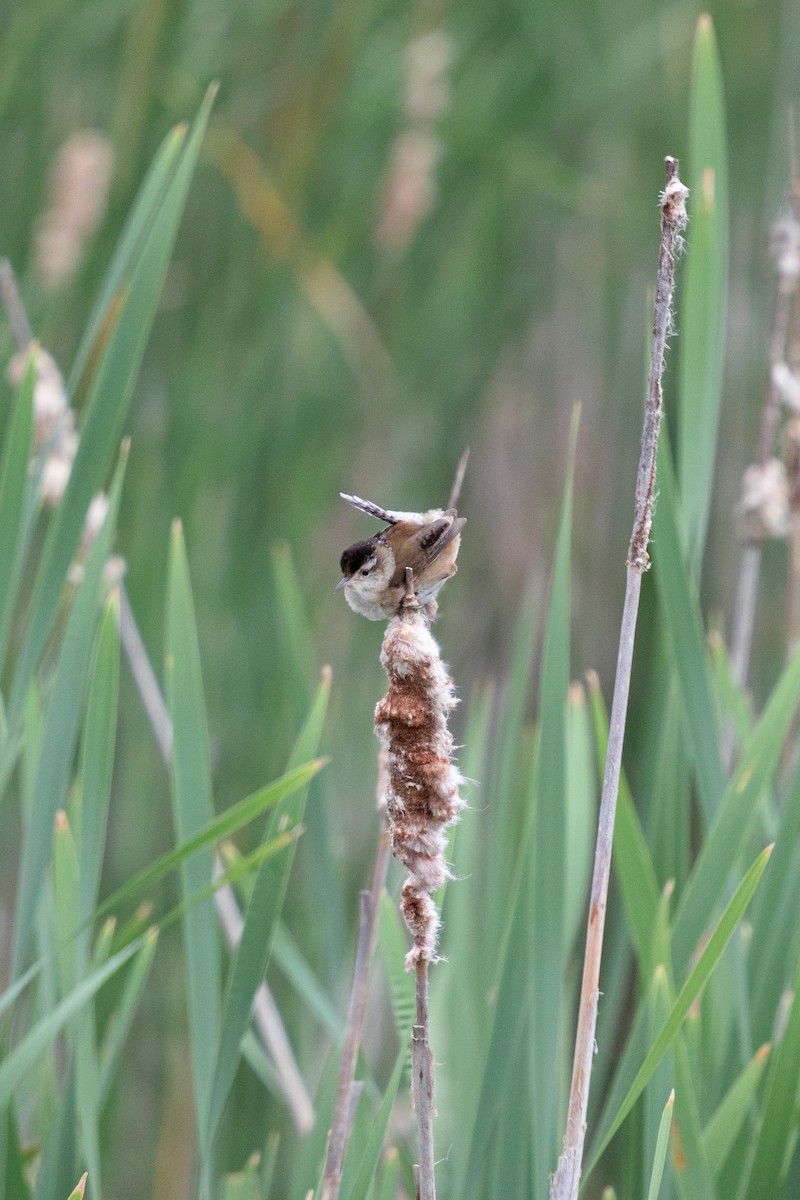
744 612
424 1102
455 491
343 1107
564 1184
144 676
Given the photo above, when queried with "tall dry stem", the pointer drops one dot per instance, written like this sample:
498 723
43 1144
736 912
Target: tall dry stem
564 1183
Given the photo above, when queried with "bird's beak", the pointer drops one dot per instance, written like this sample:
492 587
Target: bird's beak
341 583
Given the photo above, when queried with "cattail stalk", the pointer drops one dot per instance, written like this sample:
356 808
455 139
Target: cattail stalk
422 800
565 1181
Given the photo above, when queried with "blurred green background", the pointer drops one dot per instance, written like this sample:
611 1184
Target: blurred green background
414 227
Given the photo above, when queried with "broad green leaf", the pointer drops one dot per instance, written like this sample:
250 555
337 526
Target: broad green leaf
669 787
501 1053
236 872
225 825
298 971
96 765
143 214
269 1162
657 1005
65 897
691 989
244 1184
298 636
87 1087
581 811
736 707
372 1152
510 775
521 957
105 409
11 1158
307 1168
97 756
19 1061
59 1156
773 946
703 304
60 728
124 1012
393 942
463 986
358 1142
778 1112
193 811
692 1174
547 945
389 1187
77 1192
662 1145
255 1056
725 1124
736 816
631 860
13 486
260 919
680 613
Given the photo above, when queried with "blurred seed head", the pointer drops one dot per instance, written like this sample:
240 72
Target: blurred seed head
763 509
784 247
58 465
787 385
428 58
409 190
50 402
79 182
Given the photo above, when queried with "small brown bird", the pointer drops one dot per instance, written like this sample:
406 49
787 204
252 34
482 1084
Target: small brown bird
374 571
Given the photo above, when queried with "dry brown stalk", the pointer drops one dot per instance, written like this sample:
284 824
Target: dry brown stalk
565 1181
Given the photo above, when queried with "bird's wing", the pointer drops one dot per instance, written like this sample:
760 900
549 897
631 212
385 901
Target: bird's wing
438 534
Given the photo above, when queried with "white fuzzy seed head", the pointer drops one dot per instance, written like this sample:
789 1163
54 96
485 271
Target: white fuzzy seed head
422 789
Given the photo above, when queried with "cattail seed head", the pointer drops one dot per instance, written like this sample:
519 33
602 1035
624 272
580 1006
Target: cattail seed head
763 508
422 796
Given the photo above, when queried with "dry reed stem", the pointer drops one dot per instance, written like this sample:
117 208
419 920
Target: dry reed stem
424 1099
564 1183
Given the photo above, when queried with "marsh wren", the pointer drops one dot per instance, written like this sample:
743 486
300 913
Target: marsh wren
374 571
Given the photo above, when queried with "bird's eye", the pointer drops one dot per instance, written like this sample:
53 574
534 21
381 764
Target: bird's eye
365 570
